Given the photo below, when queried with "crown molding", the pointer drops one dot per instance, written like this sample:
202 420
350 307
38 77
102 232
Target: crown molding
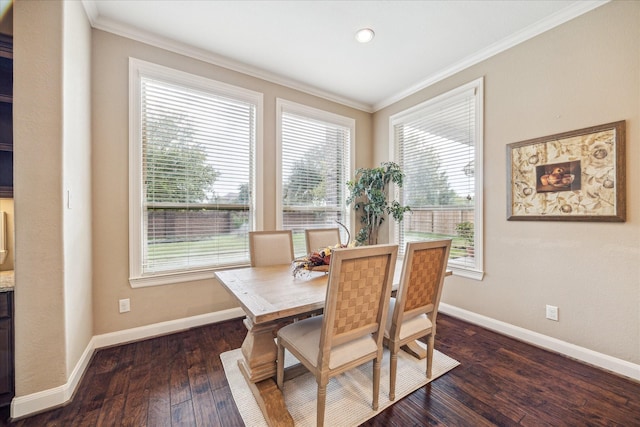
558 18
117 28
91 10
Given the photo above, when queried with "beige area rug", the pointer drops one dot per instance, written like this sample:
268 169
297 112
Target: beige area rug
348 395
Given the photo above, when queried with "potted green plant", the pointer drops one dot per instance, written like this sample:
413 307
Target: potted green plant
466 233
368 192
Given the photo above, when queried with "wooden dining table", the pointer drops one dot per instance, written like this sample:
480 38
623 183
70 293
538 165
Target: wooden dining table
272 297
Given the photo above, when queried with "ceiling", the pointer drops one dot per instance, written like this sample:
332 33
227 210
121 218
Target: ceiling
310 45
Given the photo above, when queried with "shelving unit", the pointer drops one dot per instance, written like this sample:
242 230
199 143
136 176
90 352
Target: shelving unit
7 389
6 116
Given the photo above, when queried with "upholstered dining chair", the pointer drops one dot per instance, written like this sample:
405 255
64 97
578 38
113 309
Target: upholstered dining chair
412 313
349 332
319 238
270 247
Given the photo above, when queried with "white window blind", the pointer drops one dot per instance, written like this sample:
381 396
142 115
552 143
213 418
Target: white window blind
197 157
314 169
438 146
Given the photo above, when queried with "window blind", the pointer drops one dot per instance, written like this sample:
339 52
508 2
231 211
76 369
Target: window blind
314 172
436 148
197 166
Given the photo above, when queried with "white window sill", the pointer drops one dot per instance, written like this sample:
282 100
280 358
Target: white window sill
466 272
160 279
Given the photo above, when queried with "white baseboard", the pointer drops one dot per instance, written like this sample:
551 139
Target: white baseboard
30 404
603 361
163 328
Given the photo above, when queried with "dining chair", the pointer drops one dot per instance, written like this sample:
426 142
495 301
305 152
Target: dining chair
412 313
320 238
349 333
270 247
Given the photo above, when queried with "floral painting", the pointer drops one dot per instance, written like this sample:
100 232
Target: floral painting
574 176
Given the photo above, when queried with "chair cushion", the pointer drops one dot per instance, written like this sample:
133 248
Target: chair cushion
304 337
272 249
409 326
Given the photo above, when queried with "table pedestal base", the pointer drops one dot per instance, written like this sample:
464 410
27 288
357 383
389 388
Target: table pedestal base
270 400
258 367
416 349
260 351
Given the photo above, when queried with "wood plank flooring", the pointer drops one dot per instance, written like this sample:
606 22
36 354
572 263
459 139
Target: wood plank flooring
178 380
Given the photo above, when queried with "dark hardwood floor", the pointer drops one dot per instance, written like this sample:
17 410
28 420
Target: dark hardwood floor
178 380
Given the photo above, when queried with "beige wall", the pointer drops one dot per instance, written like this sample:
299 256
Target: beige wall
110 182
38 150
583 73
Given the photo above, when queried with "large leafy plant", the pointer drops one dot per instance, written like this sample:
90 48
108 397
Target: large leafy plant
465 231
368 193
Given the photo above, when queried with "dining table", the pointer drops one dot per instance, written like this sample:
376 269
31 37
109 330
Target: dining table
272 297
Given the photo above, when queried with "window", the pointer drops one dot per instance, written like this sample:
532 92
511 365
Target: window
193 149
314 165
438 145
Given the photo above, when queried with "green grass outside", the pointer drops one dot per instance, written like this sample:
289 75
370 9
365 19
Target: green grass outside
236 245
457 244
232 243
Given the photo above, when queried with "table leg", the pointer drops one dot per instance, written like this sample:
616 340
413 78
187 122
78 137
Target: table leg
258 366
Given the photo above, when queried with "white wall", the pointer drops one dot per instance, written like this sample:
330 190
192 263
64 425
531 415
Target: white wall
76 187
583 73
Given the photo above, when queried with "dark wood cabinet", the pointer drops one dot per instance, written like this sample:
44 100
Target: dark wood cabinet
6 348
6 116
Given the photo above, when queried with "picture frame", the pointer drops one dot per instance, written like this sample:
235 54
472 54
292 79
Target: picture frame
571 176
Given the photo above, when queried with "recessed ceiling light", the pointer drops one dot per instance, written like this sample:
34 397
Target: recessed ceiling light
365 35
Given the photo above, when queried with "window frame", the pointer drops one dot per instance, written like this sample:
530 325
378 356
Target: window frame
476 272
282 106
137 70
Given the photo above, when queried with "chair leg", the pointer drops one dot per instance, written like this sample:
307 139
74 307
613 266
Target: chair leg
430 345
393 368
322 401
280 366
376 383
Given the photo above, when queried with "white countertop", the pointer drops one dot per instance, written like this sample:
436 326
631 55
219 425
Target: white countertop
6 281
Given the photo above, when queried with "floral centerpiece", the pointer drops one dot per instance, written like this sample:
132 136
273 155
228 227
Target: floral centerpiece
315 261
318 260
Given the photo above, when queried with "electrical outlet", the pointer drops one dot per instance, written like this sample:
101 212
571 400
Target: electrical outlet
552 312
125 305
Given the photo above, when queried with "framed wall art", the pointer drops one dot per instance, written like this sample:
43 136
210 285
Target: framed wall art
572 176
